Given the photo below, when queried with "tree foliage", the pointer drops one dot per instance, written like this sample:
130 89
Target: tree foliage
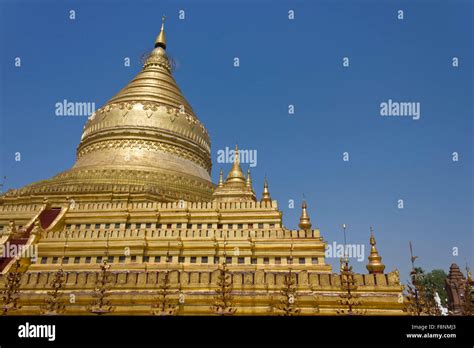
420 293
434 281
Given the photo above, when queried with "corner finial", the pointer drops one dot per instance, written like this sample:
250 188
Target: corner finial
248 182
161 38
305 221
221 179
375 264
266 193
372 238
235 176
236 155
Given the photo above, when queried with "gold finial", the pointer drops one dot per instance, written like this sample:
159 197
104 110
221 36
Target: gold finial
375 264
236 156
248 183
235 176
221 180
372 239
266 193
305 222
161 38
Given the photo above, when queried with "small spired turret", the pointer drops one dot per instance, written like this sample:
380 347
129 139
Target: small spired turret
236 187
375 264
266 193
235 177
248 181
221 180
305 221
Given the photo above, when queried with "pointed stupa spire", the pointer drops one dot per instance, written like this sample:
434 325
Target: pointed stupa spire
375 264
236 188
266 193
305 221
221 179
235 176
161 38
248 182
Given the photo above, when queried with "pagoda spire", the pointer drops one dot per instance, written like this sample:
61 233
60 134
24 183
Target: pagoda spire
236 187
235 175
305 221
221 180
248 182
266 193
375 264
161 38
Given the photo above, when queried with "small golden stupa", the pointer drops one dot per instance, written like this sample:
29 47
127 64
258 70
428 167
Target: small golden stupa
375 264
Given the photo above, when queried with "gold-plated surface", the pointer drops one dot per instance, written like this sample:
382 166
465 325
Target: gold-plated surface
140 193
266 193
248 181
236 187
146 140
305 222
236 177
375 264
221 180
161 39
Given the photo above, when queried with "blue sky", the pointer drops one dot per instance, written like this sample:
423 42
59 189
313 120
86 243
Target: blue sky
282 62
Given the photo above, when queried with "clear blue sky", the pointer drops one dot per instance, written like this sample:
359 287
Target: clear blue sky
282 62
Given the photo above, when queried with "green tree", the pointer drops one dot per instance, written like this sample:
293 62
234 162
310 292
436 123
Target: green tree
434 281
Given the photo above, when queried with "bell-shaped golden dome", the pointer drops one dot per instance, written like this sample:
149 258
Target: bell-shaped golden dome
146 139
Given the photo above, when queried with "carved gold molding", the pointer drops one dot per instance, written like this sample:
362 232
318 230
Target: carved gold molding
148 145
120 180
150 108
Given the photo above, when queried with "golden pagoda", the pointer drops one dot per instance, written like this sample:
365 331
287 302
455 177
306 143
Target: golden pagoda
375 264
139 199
